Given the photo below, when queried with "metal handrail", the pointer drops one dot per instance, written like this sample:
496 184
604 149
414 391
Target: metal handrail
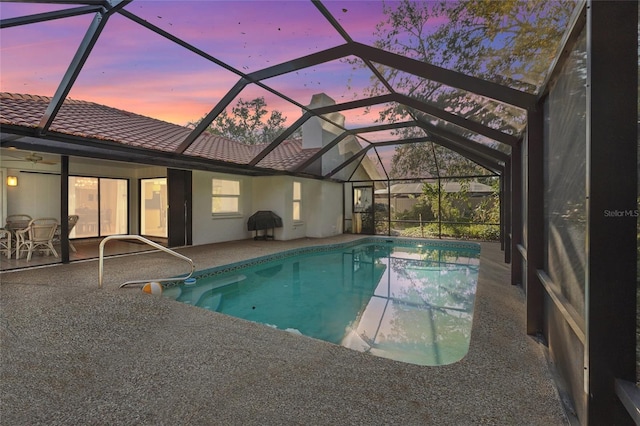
149 242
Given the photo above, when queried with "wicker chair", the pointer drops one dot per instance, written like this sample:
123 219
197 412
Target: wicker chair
5 242
73 220
38 236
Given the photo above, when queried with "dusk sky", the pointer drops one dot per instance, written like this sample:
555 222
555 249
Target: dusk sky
137 70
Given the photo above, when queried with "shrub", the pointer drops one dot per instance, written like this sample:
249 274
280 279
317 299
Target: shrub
462 231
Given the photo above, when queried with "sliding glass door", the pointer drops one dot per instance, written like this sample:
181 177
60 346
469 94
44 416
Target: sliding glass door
153 207
114 196
101 204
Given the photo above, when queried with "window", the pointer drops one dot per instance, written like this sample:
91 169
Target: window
225 197
297 201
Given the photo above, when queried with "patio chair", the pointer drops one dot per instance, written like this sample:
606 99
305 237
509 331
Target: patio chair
38 236
15 222
73 220
5 242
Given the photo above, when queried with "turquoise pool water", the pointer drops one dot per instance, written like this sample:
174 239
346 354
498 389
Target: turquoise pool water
405 300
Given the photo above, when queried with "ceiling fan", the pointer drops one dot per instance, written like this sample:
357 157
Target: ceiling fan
34 158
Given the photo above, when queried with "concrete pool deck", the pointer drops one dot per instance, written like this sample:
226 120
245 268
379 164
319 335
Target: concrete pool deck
75 354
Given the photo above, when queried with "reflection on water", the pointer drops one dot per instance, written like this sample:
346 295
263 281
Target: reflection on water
420 312
412 304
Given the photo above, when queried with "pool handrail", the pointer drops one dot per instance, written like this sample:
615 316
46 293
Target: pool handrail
152 244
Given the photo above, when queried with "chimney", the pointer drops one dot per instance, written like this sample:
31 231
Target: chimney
317 132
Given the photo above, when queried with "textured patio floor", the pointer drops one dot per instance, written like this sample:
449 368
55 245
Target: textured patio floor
75 354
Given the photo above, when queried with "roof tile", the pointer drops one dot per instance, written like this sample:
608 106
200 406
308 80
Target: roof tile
95 121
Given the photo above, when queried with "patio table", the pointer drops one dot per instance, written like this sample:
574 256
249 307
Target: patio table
12 227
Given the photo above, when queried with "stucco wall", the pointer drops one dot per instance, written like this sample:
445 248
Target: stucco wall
208 228
38 194
323 208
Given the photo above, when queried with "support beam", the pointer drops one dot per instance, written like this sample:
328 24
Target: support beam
535 221
64 208
480 149
208 119
447 77
505 211
279 139
460 121
612 209
515 225
78 61
48 16
488 163
302 62
302 167
465 123
90 39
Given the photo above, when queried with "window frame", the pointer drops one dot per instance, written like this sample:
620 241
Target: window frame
226 196
296 202
98 221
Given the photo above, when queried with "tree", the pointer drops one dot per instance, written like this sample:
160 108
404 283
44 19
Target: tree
426 159
247 123
510 42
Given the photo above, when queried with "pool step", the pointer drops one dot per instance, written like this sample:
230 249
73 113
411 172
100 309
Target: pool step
195 295
210 301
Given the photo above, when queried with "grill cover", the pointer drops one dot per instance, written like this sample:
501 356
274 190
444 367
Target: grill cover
264 219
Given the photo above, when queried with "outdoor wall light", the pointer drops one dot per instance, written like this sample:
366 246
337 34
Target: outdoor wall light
12 181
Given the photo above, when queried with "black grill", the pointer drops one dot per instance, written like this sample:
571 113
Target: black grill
263 220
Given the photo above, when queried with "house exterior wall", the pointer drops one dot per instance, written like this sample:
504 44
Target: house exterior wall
37 194
210 229
272 193
323 208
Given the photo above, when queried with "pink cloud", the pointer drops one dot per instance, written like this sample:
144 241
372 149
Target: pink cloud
35 57
137 70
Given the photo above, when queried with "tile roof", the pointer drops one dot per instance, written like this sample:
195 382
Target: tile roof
95 121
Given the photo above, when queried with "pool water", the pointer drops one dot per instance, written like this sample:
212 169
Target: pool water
412 303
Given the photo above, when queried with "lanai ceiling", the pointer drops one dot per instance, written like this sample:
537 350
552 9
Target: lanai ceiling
183 63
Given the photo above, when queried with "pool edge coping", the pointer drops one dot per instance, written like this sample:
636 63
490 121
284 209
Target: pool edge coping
230 267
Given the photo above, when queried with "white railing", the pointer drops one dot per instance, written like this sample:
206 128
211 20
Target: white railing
146 241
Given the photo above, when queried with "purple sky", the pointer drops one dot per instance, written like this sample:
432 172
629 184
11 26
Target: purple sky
137 70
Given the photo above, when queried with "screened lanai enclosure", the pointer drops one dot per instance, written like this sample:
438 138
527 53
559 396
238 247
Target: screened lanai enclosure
514 122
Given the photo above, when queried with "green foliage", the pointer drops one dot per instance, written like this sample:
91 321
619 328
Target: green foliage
488 209
511 42
422 209
249 123
474 219
461 231
371 217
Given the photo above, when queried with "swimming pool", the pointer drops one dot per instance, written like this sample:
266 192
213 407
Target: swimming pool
408 300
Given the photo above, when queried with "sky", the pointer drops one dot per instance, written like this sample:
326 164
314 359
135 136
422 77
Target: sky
137 70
